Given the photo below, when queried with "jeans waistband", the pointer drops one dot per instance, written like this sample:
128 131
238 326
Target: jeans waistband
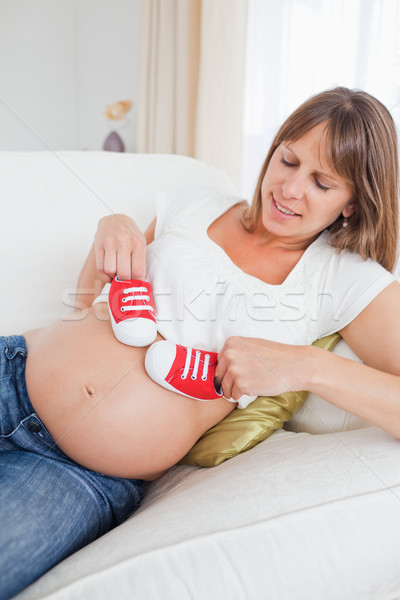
14 344
13 392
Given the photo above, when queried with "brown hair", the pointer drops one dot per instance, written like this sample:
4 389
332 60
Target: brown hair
362 147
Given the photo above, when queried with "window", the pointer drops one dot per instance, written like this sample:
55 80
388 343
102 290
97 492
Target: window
297 48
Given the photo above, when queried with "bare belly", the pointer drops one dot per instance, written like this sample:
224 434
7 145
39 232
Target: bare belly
94 396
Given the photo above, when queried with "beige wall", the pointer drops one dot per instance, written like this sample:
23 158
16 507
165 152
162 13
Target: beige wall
61 62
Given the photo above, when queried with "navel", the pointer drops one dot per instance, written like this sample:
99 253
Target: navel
89 391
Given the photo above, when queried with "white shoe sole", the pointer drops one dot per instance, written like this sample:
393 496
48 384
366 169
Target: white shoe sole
129 339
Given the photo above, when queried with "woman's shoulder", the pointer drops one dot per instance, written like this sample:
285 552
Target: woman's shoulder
184 198
349 260
332 270
346 270
177 207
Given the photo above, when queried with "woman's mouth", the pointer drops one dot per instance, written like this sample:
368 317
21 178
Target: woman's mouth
283 210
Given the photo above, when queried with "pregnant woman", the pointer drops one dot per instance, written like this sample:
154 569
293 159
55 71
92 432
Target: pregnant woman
83 426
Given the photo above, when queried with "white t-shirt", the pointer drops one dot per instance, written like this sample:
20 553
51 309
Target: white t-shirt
201 297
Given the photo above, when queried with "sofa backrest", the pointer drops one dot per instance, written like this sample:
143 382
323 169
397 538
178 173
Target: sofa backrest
50 207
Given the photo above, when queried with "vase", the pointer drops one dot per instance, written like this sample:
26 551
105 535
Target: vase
113 143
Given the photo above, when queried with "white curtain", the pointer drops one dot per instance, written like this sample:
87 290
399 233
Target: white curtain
221 84
170 51
296 48
191 84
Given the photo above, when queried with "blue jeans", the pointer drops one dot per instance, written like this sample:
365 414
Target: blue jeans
50 506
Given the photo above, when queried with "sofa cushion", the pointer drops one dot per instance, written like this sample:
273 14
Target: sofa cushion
51 204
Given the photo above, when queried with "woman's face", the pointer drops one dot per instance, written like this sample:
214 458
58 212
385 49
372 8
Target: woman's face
301 193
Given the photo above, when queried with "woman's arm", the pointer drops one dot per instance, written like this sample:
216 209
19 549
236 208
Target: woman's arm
119 248
371 390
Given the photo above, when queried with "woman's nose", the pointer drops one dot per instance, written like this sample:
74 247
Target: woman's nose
294 186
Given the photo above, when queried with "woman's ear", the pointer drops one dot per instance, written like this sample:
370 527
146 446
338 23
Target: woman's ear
349 210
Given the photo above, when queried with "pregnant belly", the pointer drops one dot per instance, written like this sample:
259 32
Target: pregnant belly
94 396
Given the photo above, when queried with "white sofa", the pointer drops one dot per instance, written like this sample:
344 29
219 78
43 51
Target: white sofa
313 512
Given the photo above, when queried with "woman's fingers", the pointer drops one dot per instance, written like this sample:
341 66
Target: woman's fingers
110 262
230 388
219 372
254 366
244 367
120 249
100 256
223 373
131 257
138 260
123 268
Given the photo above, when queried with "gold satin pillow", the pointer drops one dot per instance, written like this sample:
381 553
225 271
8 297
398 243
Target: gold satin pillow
243 428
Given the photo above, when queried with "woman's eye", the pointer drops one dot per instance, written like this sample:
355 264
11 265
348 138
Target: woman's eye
287 163
324 188
319 184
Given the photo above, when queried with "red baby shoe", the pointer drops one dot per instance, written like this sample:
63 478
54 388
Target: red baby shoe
184 370
131 307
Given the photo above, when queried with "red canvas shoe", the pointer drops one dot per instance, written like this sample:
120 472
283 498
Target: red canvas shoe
184 370
131 307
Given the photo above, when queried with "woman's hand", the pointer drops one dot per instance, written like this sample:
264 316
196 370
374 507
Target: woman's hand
259 367
120 249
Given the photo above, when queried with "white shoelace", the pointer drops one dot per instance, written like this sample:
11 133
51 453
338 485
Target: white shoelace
132 291
196 365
